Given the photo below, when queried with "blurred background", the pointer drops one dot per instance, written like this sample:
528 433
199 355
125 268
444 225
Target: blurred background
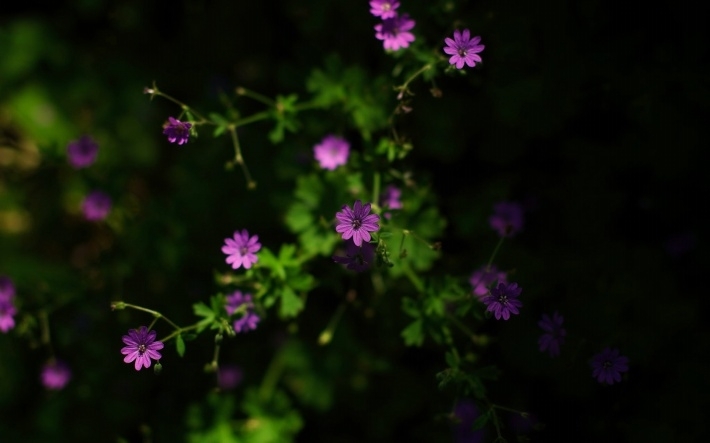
591 114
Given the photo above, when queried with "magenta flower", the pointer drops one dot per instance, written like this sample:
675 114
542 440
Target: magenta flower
503 300
357 258
229 377
82 153
465 414
7 313
395 32
507 218
554 334
96 206
141 346
463 49
249 318
357 223
483 277
241 251
390 199
55 375
7 289
177 131
332 152
384 8
608 365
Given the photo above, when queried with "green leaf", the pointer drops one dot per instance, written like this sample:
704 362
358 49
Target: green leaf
481 421
180 345
414 333
291 303
202 310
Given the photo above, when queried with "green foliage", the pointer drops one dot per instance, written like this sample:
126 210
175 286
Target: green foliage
286 280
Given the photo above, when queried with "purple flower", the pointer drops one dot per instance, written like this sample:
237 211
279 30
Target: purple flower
229 377
465 414
241 251
554 334
7 289
483 277
357 223
249 318
177 131
384 8
141 346
394 32
7 312
357 258
463 49
608 365
507 218
332 152
503 300
390 199
55 375
96 206
82 153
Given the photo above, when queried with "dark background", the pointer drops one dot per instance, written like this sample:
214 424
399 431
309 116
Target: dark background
590 113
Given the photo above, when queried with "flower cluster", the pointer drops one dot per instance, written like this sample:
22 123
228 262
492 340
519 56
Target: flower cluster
503 300
7 304
55 375
332 152
82 153
177 131
96 206
241 249
238 302
394 29
507 218
141 346
554 334
483 277
463 49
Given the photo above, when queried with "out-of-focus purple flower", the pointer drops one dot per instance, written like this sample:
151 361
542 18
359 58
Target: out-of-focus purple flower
390 199
229 377
141 346
249 318
357 223
465 413
680 244
503 300
332 152
177 131
507 218
55 375
554 334
608 365
7 289
357 258
384 8
7 313
96 206
395 32
82 153
463 49
241 251
483 277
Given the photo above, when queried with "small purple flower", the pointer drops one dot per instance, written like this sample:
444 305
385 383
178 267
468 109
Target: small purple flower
7 312
247 323
463 49
465 414
384 8
357 223
82 153
507 218
608 365
503 300
332 152
241 251
177 131
483 277
395 32
554 334
55 375
7 289
390 199
357 258
141 346
229 377
96 206
249 318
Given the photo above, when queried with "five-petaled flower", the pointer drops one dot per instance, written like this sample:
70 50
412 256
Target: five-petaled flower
96 206
503 300
141 346
357 223
483 277
357 258
554 334
507 218
463 49
82 153
395 32
384 8
7 306
55 375
249 318
332 152
177 131
608 365
241 250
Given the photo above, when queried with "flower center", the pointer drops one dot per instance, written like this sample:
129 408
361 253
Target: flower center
141 349
462 52
243 250
503 299
386 6
607 364
357 224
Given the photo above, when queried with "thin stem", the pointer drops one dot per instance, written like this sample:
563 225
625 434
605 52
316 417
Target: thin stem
255 96
251 184
503 408
179 331
46 335
376 188
463 328
416 281
406 83
156 314
182 105
327 335
263 115
273 373
495 251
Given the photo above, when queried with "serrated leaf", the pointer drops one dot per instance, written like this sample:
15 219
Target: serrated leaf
291 303
414 333
202 310
180 345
